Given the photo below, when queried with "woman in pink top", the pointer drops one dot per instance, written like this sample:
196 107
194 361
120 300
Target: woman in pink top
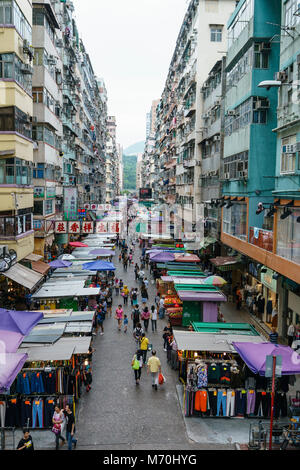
119 316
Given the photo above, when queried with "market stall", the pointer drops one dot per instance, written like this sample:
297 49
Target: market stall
217 381
64 296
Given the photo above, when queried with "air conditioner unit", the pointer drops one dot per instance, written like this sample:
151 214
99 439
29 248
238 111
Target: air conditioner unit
217 138
265 47
281 76
205 116
27 69
226 176
297 147
34 119
289 148
59 43
262 104
52 59
231 112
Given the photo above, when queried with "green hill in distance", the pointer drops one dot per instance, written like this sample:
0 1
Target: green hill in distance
136 148
129 162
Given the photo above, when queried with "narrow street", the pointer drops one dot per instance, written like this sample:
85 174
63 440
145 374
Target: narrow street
117 414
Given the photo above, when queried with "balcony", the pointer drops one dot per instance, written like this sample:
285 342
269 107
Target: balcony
262 238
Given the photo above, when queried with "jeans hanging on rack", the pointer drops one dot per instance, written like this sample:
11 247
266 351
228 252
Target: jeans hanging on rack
23 384
37 384
26 413
12 418
37 411
49 411
50 382
221 401
251 397
2 413
280 405
212 395
230 410
240 402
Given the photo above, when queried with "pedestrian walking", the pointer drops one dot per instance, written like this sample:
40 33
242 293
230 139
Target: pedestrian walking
144 347
153 317
70 427
145 317
119 316
100 320
109 302
117 286
147 259
120 257
273 336
130 295
137 334
121 284
26 443
135 316
87 377
125 323
161 308
137 364
144 294
125 294
146 282
125 262
168 330
156 300
291 334
154 367
57 421
136 271
174 355
134 297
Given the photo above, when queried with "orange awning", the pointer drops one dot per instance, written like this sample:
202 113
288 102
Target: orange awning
187 258
40 267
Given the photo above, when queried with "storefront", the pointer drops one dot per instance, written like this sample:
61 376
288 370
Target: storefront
218 383
270 296
293 308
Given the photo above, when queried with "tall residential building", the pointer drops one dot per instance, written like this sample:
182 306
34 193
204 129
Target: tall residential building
112 161
148 167
69 124
180 125
16 110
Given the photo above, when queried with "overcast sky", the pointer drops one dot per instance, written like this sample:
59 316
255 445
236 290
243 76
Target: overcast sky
130 43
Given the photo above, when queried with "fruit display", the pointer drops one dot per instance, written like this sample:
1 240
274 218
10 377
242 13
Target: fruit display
172 300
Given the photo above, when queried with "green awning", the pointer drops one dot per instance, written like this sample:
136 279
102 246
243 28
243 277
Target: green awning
228 328
187 274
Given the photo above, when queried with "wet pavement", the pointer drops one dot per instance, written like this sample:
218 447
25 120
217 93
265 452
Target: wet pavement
118 414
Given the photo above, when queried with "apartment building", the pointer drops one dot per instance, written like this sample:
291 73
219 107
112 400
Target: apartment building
180 127
69 124
16 110
112 161
149 160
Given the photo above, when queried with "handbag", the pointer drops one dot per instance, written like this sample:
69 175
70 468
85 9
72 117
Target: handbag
296 401
56 428
161 379
135 364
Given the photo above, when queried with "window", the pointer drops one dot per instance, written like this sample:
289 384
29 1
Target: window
241 21
44 134
11 67
291 7
235 221
216 34
12 119
12 226
15 171
48 207
288 236
242 67
39 172
10 14
261 59
245 114
288 155
38 208
236 166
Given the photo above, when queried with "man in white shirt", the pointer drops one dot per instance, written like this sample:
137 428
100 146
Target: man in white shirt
154 367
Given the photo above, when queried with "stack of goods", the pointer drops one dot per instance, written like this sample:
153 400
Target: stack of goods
173 306
225 389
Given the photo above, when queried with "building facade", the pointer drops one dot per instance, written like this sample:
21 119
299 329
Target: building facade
16 111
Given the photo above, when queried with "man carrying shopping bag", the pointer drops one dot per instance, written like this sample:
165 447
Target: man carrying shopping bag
154 367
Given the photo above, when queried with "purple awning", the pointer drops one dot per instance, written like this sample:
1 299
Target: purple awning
254 355
10 366
102 252
162 257
20 322
14 326
190 296
99 266
59 263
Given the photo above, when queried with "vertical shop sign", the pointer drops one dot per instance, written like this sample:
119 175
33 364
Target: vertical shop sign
70 204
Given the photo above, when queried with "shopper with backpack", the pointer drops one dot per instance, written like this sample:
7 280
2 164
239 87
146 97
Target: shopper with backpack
135 316
137 334
137 364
